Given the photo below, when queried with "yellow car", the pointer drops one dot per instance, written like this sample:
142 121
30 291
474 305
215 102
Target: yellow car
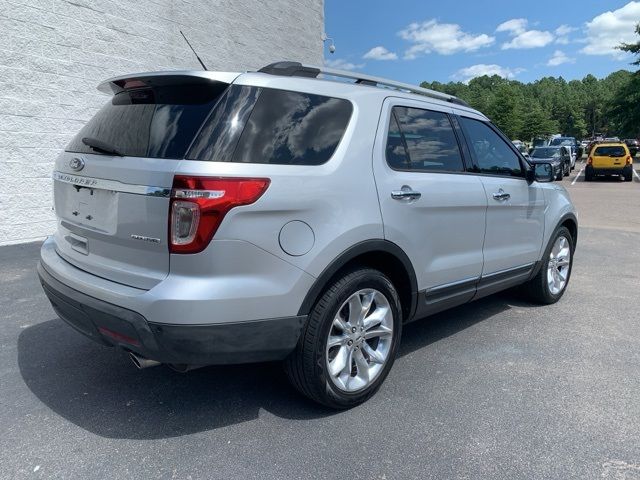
611 158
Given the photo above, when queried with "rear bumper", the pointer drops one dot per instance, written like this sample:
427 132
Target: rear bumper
227 343
609 171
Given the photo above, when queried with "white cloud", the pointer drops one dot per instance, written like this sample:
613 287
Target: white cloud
563 30
562 34
515 26
342 64
529 39
466 74
442 38
607 30
523 38
558 58
380 53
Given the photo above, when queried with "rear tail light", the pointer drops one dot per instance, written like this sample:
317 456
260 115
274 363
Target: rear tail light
627 160
589 161
199 204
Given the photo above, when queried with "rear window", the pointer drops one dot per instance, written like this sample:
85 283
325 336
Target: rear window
612 151
155 122
563 141
263 125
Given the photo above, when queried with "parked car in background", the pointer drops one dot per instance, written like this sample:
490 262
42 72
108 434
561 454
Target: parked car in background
522 148
558 156
633 145
539 142
609 158
576 149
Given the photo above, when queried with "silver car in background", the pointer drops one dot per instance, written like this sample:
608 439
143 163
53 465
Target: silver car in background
214 218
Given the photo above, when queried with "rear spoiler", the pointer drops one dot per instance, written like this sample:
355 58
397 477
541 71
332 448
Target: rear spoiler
136 80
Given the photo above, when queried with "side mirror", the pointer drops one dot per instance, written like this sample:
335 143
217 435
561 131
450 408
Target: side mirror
541 172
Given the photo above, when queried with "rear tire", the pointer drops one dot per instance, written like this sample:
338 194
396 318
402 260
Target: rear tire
628 175
588 175
339 361
552 279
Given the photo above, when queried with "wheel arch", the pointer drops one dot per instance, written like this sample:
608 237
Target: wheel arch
380 254
570 221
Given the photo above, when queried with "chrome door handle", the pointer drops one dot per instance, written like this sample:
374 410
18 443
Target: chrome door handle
501 195
406 192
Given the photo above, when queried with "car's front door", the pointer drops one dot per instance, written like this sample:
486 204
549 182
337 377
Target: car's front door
430 206
515 211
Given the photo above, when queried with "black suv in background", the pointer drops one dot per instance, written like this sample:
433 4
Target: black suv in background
633 145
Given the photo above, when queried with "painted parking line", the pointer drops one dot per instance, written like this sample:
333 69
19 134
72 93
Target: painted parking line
635 172
579 173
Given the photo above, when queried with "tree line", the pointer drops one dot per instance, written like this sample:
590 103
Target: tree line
579 108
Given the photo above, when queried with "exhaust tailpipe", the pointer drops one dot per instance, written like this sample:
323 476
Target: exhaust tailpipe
141 362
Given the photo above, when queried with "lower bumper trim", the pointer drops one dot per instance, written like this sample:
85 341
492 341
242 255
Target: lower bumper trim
208 344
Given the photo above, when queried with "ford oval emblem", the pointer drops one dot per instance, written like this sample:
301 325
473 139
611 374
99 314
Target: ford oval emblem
76 164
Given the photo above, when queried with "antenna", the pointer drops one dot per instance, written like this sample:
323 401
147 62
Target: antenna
194 52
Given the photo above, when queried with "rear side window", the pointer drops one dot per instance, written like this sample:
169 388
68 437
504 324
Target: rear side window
428 137
263 125
492 154
612 151
157 122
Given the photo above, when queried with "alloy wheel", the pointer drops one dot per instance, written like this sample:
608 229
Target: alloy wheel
559 265
359 340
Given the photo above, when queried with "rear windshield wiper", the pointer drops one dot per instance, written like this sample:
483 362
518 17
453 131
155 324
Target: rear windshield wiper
100 146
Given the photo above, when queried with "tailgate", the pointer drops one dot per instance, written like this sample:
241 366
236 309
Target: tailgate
112 228
112 184
609 157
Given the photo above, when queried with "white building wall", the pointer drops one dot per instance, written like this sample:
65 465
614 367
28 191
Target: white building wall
53 53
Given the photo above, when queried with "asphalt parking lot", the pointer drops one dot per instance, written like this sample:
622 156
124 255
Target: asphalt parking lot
499 388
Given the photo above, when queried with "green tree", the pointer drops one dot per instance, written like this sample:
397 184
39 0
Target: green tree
505 109
537 123
625 107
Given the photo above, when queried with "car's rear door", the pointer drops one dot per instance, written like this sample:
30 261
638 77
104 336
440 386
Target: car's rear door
430 206
112 184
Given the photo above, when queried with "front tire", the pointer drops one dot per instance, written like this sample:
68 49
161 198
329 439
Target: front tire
350 341
551 281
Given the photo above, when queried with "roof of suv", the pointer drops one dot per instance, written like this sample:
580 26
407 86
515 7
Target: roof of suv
364 85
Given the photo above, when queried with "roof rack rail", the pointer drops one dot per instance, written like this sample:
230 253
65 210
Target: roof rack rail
297 69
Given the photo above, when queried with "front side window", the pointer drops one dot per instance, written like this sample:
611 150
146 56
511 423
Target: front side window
493 155
423 141
264 125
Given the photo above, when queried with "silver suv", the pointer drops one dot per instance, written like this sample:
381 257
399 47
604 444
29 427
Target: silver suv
294 213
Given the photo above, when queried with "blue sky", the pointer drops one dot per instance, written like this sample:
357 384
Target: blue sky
412 40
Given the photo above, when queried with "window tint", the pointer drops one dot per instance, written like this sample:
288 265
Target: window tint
430 141
150 122
263 125
397 157
292 128
493 155
613 151
220 133
545 152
